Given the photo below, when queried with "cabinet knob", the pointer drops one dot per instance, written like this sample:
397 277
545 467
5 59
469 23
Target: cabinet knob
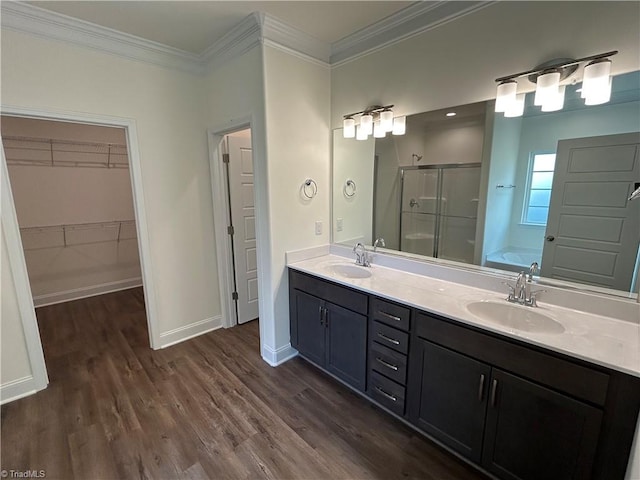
481 388
494 390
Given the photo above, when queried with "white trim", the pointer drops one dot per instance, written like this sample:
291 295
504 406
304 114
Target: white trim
18 267
181 334
278 356
408 22
17 389
86 292
44 23
278 34
254 29
144 247
237 42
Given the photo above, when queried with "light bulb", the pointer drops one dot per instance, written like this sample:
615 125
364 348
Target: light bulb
505 95
349 127
555 103
361 134
516 109
547 88
599 96
366 123
399 125
596 78
378 131
386 120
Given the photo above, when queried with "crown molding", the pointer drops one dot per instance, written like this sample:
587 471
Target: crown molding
255 29
244 36
51 25
293 41
408 22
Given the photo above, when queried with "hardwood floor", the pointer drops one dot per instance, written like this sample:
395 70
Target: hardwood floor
206 408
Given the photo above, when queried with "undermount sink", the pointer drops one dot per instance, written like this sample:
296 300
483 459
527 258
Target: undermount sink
350 270
517 317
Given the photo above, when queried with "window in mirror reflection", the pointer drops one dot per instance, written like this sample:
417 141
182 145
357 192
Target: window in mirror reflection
539 181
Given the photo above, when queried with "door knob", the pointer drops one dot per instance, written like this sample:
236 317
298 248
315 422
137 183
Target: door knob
550 238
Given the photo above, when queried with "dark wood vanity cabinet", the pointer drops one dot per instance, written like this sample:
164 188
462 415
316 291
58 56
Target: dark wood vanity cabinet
516 410
332 334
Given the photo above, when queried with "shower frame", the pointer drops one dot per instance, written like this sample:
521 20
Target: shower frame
435 166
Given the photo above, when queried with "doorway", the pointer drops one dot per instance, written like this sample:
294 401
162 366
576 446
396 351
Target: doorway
25 306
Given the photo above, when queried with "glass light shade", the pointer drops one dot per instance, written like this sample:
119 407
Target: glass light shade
378 130
399 125
361 134
547 88
596 78
516 108
599 96
366 123
555 103
386 121
505 95
348 128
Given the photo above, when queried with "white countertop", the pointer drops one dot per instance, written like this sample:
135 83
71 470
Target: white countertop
598 339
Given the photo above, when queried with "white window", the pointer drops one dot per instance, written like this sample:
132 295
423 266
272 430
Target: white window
538 192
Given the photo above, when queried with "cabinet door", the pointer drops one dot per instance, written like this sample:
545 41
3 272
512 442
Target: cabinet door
448 397
533 432
310 326
346 355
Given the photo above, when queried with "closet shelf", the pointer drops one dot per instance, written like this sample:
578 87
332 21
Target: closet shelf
50 236
61 153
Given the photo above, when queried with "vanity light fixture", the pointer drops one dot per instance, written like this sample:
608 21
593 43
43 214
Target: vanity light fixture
377 120
451 114
596 84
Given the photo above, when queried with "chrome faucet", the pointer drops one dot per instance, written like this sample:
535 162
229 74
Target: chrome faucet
362 258
521 293
378 243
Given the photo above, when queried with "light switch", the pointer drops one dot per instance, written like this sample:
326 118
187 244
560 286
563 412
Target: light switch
339 224
318 228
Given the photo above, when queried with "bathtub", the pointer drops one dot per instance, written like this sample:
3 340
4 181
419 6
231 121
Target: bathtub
514 259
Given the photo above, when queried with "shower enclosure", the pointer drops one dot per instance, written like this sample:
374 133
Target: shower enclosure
438 210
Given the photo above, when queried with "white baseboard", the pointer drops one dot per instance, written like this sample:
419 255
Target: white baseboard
279 356
181 334
16 389
85 292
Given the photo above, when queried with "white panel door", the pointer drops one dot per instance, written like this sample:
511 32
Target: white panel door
593 230
244 225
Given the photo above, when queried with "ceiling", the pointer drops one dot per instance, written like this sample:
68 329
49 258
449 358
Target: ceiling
193 26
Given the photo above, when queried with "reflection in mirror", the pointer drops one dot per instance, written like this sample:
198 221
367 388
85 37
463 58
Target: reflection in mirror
482 189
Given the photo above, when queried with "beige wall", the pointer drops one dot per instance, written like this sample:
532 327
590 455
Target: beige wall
166 106
297 98
458 62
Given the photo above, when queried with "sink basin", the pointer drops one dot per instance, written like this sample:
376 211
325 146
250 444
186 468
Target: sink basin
350 270
517 317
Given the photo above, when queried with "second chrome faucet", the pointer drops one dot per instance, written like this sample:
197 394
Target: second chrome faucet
521 293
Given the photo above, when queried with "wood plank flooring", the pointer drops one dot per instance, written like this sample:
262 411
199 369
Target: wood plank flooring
208 408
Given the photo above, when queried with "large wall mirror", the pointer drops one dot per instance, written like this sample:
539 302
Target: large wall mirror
469 186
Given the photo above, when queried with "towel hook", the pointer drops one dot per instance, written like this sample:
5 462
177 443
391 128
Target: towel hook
309 188
349 188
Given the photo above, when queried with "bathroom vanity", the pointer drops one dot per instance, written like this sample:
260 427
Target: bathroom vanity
554 397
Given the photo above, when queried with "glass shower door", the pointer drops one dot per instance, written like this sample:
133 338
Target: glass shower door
419 211
460 190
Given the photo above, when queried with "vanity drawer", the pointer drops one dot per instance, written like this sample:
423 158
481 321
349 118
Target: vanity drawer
390 313
388 362
390 337
387 393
